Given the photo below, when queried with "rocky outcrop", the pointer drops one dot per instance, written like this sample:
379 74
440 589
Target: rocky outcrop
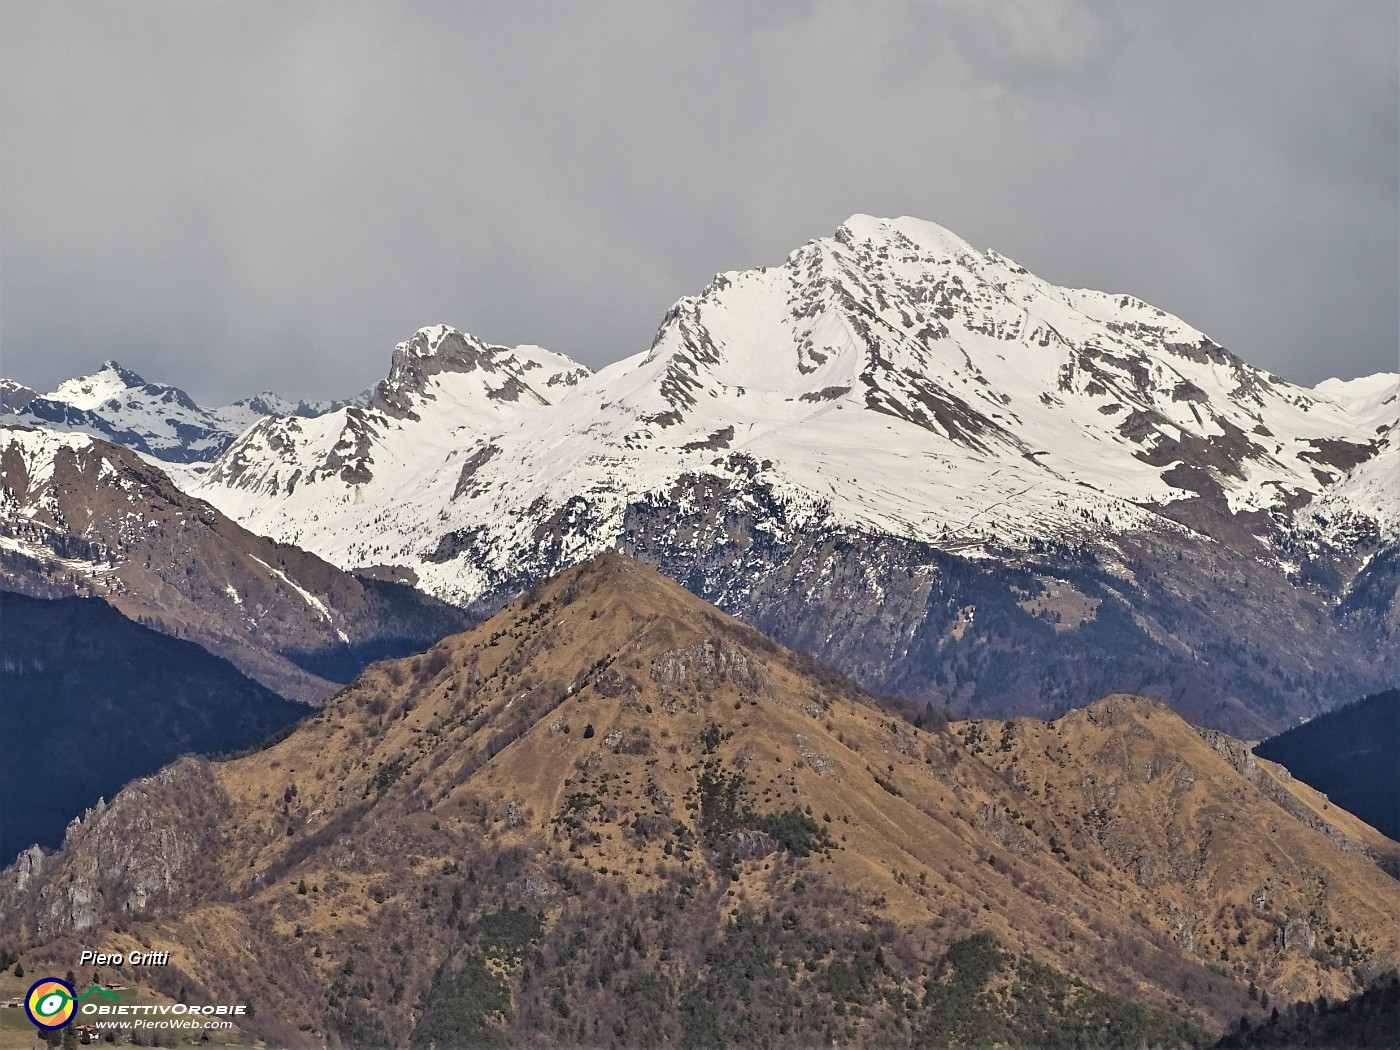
148 854
705 666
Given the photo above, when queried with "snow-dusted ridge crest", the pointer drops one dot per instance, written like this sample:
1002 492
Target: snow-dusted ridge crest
890 379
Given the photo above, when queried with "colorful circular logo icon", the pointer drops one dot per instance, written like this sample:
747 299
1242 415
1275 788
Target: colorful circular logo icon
50 1003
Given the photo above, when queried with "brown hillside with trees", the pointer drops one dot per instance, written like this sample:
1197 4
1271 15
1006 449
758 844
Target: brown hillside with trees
612 815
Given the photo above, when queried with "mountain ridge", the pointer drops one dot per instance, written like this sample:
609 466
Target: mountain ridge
655 387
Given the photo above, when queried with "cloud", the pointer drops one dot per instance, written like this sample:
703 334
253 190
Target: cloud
232 196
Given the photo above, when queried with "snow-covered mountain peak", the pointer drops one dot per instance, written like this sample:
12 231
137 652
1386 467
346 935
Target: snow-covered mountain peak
901 319
111 382
906 233
268 403
1373 400
246 411
445 387
15 396
421 366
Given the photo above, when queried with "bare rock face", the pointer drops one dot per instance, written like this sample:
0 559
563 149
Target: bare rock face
1239 755
1298 934
1236 752
1004 829
29 865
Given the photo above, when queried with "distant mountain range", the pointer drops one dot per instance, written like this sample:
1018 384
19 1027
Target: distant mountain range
612 813
905 456
890 379
157 420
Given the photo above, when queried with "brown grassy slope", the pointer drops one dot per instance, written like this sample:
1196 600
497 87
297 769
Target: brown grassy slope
1240 880
1116 844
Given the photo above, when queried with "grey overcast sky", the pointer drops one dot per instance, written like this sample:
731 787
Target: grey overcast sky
237 196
